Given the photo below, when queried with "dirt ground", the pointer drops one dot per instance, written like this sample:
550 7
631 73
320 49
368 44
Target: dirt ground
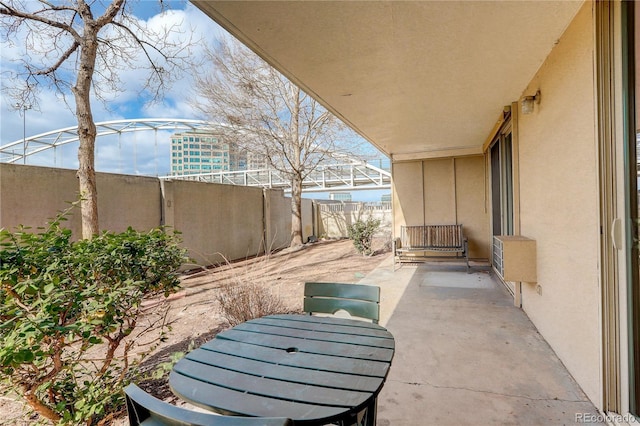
196 317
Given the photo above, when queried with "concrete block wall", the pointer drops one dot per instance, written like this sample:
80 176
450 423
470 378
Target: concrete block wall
216 221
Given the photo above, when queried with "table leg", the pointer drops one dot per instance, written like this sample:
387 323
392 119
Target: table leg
371 413
366 417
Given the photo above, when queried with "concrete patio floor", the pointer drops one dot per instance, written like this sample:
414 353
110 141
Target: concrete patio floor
466 355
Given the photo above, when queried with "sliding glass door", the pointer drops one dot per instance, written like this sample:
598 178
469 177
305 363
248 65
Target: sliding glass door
502 215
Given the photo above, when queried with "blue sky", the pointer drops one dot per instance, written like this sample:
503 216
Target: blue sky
52 113
112 154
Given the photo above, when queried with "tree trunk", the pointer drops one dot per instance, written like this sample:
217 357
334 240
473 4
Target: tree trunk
297 165
296 210
87 137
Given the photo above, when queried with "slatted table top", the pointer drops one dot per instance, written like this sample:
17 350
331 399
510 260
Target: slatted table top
311 369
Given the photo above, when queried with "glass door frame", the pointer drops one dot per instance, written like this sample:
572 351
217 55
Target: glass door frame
630 73
503 141
502 153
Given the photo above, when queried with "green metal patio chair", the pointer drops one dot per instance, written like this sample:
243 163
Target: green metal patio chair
359 300
146 410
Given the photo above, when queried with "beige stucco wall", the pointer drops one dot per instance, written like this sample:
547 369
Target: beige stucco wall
31 195
216 221
439 191
444 191
407 195
280 227
472 204
307 219
279 231
559 204
226 216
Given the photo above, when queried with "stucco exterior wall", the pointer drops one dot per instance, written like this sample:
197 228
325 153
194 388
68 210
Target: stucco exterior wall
472 204
444 191
559 203
439 191
407 195
216 221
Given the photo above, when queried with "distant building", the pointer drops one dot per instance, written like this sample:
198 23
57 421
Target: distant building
386 198
203 152
256 162
340 196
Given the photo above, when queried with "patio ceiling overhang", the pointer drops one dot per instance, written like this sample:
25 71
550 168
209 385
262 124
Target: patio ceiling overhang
418 79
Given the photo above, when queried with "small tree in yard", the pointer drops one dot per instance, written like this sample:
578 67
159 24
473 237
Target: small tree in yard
269 117
79 48
362 232
69 312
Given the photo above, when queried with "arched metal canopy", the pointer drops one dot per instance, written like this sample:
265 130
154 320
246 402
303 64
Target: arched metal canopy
16 151
345 174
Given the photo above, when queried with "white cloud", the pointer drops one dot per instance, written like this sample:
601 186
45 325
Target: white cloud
52 113
141 153
187 24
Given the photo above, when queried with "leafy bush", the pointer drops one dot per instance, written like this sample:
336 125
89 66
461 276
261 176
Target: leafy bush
67 308
362 232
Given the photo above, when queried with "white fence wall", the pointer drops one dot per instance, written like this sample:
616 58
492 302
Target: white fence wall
333 218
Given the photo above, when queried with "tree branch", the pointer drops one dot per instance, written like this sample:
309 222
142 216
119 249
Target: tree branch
111 12
60 61
143 45
35 16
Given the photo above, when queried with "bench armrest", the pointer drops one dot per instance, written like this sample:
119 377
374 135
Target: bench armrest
396 243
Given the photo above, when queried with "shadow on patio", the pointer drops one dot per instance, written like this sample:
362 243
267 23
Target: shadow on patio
466 355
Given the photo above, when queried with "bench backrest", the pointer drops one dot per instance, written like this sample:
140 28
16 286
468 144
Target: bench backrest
144 409
359 300
436 236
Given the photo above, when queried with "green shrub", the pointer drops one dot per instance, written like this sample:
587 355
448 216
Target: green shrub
362 232
67 308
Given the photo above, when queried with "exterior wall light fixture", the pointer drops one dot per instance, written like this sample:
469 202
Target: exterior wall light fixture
528 102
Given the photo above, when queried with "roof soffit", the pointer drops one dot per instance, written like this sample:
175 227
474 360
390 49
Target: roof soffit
409 76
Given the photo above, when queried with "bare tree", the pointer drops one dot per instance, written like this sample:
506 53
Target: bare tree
268 116
80 48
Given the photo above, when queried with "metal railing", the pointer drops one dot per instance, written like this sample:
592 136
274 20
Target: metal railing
345 176
349 206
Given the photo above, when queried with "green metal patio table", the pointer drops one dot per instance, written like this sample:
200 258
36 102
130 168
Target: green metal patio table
312 369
